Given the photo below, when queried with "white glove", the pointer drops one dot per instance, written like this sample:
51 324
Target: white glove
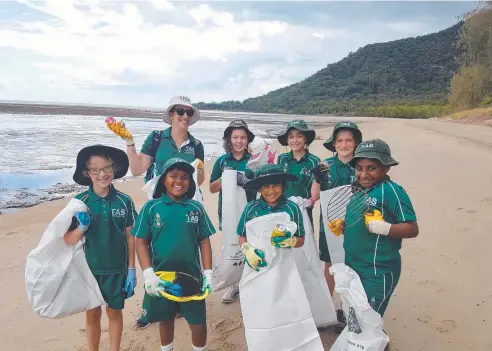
152 282
379 227
207 274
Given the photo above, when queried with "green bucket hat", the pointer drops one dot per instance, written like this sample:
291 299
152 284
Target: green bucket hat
301 126
173 163
269 174
345 125
375 149
239 124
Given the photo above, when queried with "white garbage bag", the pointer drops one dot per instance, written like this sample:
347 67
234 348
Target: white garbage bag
58 280
198 194
149 187
335 243
364 330
311 271
231 262
274 305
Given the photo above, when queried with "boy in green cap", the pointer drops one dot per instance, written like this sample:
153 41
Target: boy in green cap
107 229
372 245
237 138
270 181
299 161
172 231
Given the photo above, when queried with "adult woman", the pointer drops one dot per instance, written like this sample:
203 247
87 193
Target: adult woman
175 141
237 138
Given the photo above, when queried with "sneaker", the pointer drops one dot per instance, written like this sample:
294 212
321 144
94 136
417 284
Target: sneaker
231 294
140 324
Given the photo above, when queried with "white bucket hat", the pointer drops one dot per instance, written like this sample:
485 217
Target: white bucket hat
184 101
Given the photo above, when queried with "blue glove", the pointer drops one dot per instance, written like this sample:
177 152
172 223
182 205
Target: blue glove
131 282
173 289
83 219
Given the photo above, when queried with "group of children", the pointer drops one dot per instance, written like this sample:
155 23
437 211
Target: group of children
171 232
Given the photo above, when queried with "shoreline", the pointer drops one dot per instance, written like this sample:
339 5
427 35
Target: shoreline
36 186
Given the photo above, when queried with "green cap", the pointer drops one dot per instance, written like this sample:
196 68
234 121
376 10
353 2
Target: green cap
269 174
301 126
239 124
343 125
375 149
173 163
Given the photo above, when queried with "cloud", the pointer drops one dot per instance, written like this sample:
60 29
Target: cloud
139 52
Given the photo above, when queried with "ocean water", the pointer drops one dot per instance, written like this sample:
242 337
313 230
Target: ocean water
38 153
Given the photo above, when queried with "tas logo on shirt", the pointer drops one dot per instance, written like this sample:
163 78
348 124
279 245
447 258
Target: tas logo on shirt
371 201
189 150
157 221
306 171
118 212
192 216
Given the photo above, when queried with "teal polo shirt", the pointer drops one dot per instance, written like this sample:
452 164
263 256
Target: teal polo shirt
174 230
302 169
168 149
105 247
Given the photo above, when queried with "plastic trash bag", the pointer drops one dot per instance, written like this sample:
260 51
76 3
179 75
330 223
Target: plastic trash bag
261 155
274 305
231 262
311 271
335 243
58 280
364 330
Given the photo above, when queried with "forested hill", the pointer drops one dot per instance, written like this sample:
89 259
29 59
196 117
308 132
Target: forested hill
412 71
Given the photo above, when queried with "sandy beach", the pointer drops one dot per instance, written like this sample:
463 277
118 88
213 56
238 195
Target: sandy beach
443 300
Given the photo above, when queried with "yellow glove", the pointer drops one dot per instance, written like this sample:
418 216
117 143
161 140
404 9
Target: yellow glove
118 128
254 257
336 226
376 223
375 216
288 241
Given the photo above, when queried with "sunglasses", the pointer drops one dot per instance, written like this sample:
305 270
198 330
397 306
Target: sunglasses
181 112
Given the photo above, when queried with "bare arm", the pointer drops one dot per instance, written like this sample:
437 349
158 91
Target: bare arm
216 186
206 253
242 240
139 163
142 249
405 230
315 190
72 237
130 243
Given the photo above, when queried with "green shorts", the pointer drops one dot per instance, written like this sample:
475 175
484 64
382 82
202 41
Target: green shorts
160 309
379 288
324 254
112 287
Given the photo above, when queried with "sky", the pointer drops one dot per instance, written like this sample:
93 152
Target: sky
140 53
